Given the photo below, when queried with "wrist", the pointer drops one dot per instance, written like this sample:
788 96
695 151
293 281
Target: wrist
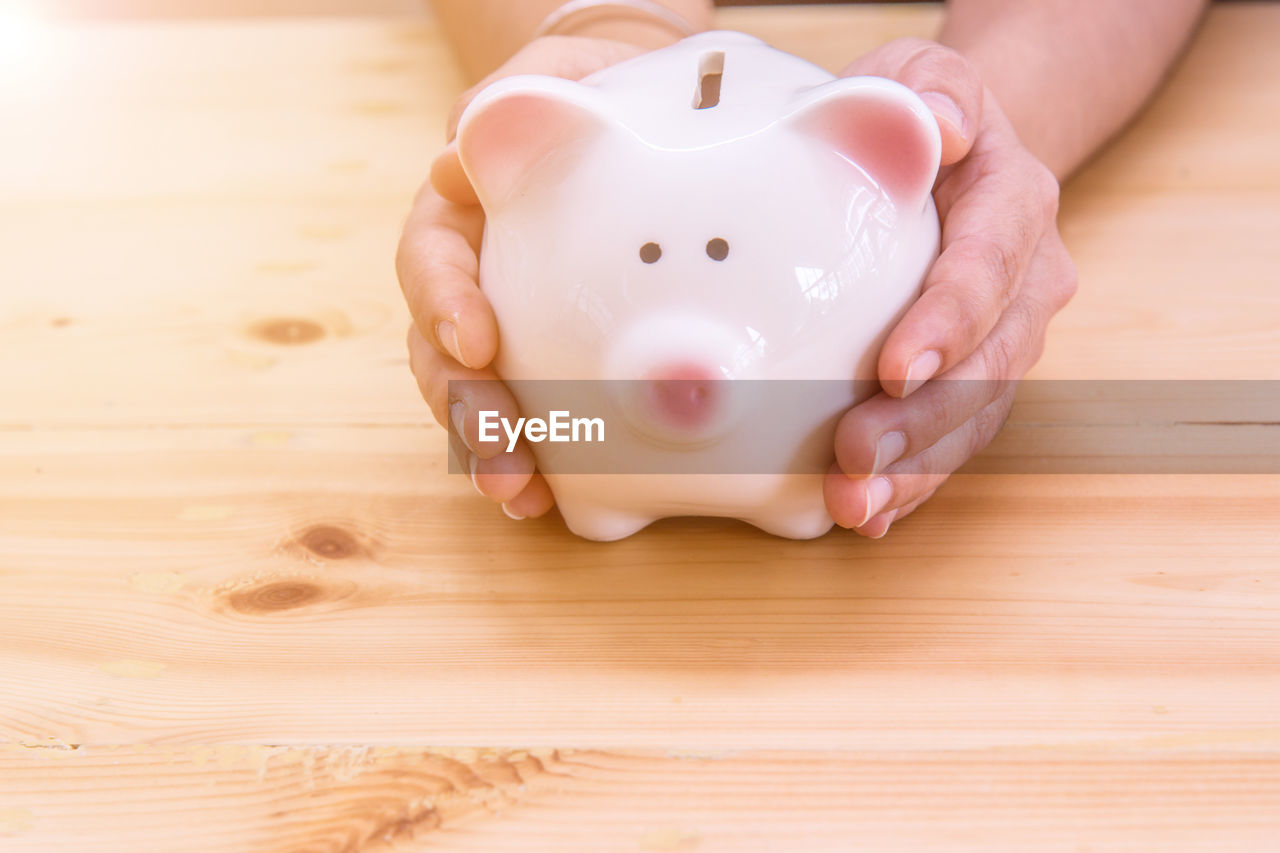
642 34
646 24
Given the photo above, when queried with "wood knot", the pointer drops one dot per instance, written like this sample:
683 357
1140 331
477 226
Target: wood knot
330 543
288 331
273 597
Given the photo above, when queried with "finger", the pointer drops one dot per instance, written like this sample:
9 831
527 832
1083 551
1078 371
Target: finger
878 432
437 266
946 81
856 504
853 503
912 479
903 511
870 505
450 180
883 430
877 527
457 396
990 236
535 500
502 477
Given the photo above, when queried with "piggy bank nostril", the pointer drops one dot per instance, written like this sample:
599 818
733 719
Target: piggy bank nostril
683 396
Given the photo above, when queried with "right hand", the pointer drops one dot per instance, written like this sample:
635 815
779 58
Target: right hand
454 335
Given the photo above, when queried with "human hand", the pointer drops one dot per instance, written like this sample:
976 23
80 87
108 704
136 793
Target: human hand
454 335
1003 272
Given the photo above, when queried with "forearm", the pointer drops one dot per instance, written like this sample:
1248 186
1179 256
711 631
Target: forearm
1070 73
485 33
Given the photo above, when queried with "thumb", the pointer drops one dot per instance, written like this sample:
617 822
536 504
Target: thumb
449 179
947 82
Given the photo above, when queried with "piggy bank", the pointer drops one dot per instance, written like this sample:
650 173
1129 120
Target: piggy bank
717 214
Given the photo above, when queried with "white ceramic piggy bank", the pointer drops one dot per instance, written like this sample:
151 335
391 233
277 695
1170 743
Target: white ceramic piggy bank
712 212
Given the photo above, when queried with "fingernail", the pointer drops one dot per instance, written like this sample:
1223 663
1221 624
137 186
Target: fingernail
447 333
472 464
458 417
889 449
945 108
511 515
879 493
920 370
888 522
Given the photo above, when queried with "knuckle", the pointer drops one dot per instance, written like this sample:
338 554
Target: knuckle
986 424
1049 190
1002 352
1061 278
413 280
930 65
1002 262
934 64
1030 343
962 304
913 44
945 315
432 257
936 57
933 416
906 49
968 318
1068 283
1035 350
548 47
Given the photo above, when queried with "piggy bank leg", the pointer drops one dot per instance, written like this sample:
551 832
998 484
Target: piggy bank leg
796 509
796 525
602 524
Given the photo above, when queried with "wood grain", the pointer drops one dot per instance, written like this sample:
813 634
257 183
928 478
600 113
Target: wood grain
243 606
327 800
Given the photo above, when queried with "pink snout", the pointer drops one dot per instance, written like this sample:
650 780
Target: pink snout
685 397
670 378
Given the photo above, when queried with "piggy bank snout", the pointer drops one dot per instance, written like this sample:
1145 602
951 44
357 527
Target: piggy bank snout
671 379
683 396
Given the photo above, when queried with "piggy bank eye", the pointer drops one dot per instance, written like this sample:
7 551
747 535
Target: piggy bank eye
650 252
717 249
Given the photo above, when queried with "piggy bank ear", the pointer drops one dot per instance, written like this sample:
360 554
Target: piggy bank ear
879 125
517 124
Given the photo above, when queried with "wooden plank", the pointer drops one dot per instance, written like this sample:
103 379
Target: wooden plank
271 799
244 606
230 613
64 10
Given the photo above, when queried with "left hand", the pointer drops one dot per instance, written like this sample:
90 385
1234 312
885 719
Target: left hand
1002 274
454 335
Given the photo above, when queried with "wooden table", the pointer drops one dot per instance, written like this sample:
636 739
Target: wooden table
244 608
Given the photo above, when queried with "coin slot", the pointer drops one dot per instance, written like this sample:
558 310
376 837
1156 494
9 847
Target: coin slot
710 76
